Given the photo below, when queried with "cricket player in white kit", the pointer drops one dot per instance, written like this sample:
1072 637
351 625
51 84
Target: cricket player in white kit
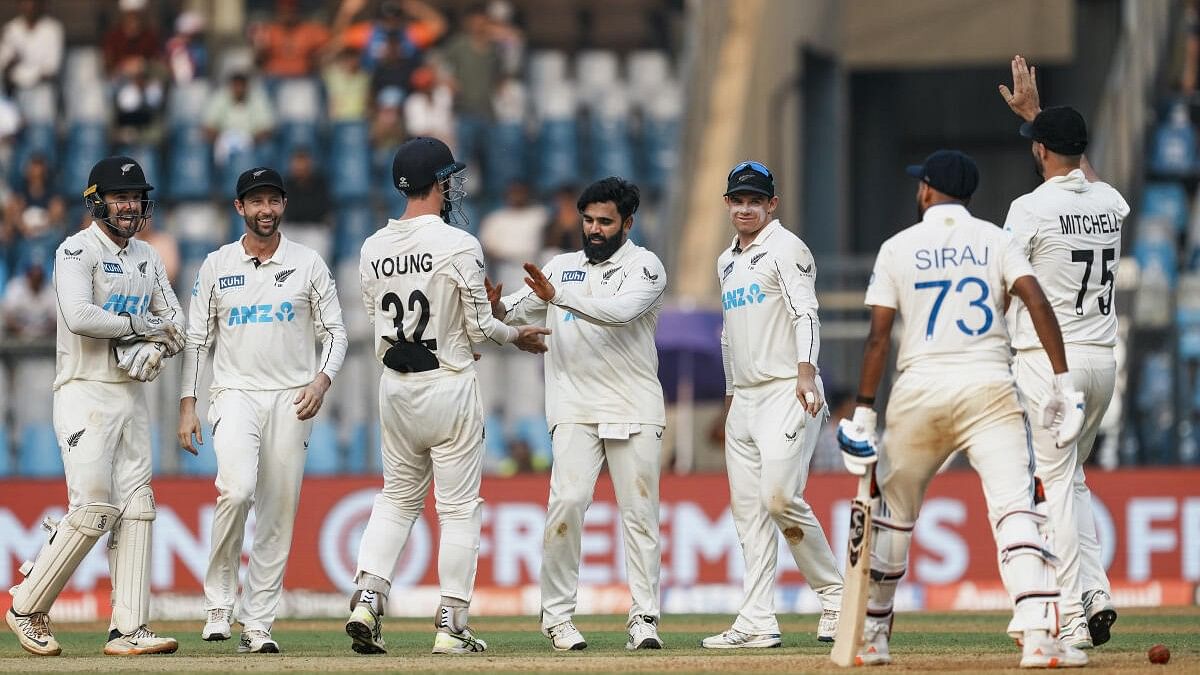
117 319
603 402
948 277
775 405
264 301
1070 229
423 287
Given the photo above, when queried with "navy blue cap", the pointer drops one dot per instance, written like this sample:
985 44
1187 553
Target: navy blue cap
950 172
259 176
1060 128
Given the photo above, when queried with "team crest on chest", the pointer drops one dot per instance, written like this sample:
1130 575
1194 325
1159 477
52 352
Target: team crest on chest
609 274
142 267
756 258
281 277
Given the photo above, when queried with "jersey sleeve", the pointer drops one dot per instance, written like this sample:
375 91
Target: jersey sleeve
163 302
1022 225
467 272
327 319
201 328
73 286
524 307
797 273
881 289
1014 263
641 290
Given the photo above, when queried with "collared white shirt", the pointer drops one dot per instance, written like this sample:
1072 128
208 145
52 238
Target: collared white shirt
422 282
37 49
947 277
1070 229
602 364
769 305
96 281
265 319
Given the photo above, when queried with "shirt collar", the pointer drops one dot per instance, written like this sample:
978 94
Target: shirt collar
946 212
762 237
109 245
414 223
278 257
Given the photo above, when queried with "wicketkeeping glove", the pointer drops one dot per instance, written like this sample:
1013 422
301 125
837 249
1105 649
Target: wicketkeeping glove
857 438
142 360
151 328
1063 411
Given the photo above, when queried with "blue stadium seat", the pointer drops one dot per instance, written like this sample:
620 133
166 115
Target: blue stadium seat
558 154
1188 320
204 464
291 136
1173 148
349 162
360 448
37 451
353 224
86 142
659 149
1154 395
323 456
235 165
505 158
1155 253
191 174
1166 200
610 147
34 139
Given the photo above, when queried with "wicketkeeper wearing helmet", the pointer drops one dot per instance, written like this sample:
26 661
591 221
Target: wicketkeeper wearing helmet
117 320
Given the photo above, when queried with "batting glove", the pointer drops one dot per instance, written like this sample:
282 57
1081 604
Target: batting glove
151 328
857 438
1063 411
142 360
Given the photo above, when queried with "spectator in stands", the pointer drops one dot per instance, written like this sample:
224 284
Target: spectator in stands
513 234
31 47
29 305
290 45
562 235
187 55
471 67
429 107
347 87
36 215
138 102
510 40
387 121
404 30
132 37
308 204
237 119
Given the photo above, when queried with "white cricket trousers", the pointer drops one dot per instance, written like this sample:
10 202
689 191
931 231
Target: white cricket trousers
432 429
103 432
1072 523
633 464
769 442
261 448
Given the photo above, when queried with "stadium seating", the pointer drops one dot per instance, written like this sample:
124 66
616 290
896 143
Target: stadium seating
1155 252
349 162
38 455
323 458
1173 148
85 142
190 175
1166 200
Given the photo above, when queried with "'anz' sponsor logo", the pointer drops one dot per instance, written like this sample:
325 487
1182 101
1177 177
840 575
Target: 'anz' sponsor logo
231 281
113 268
573 275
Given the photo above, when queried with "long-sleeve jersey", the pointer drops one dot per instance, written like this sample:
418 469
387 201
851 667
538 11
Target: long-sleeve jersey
769 303
1070 230
602 364
96 281
947 277
422 283
265 318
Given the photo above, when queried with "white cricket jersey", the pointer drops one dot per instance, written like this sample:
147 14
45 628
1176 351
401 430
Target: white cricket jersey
769 304
422 283
265 319
1070 229
602 364
96 281
947 278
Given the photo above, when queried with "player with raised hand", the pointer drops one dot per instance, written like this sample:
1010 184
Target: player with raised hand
947 278
265 301
1070 229
117 318
423 287
604 402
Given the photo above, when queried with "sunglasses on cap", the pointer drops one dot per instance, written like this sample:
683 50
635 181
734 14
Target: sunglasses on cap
757 167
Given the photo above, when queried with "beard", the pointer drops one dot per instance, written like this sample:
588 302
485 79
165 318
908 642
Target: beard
599 251
1039 169
254 226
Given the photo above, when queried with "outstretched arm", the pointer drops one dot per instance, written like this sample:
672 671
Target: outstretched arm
1025 101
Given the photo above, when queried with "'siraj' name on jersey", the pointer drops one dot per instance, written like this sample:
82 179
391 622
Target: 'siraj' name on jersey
949 256
1087 223
411 263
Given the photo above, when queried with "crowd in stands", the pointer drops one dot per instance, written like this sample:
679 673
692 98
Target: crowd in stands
324 90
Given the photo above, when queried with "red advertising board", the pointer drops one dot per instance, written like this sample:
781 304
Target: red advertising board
1148 521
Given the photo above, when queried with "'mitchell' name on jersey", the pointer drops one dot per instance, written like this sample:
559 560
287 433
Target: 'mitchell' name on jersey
947 277
1070 229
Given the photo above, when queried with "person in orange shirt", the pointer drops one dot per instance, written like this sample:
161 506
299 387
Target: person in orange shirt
289 46
417 25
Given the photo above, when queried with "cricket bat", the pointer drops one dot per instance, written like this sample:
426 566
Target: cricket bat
858 577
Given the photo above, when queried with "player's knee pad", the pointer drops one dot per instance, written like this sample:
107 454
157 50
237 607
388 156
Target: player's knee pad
129 558
1027 568
1018 533
70 541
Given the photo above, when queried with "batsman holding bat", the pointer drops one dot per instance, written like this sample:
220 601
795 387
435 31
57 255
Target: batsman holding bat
947 277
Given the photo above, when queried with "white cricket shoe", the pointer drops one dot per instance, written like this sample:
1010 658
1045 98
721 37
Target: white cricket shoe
1074 632
643 633
736 639
257 641
141 641
1101 615
565 637
445 642
33 632
217 627
828 625
365 627
875 645
1039 650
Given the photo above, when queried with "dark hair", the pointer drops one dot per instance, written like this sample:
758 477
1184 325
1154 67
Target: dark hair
624 194
421 193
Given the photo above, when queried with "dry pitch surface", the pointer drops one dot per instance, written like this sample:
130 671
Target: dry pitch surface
961 642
